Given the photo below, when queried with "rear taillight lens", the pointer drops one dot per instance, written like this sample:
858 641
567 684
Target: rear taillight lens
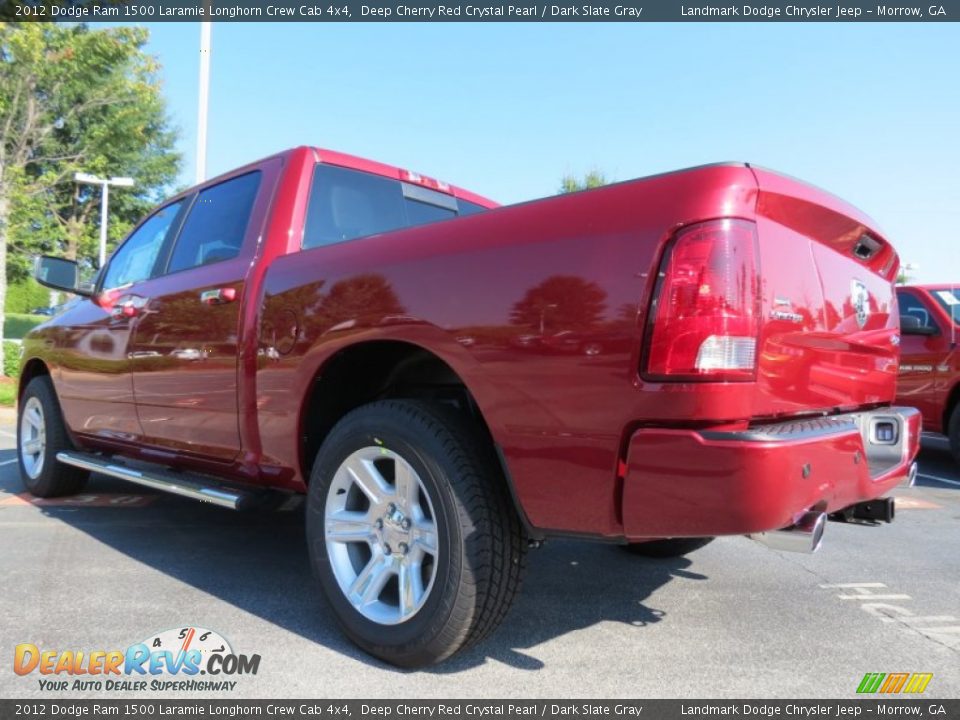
706 318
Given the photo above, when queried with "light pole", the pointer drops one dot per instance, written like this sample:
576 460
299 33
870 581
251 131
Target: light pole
204 99
104 202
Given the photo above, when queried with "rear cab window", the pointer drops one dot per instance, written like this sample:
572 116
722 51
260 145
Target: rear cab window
347 204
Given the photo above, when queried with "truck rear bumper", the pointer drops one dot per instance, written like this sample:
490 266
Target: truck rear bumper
692 483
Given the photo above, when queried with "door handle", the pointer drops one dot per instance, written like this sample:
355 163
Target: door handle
128 308
220 296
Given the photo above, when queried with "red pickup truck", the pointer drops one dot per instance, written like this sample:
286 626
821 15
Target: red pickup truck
929 359
653 363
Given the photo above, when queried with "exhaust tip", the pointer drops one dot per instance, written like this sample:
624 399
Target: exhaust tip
805 536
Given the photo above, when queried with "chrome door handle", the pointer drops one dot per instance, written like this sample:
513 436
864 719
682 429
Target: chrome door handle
220 296
129 308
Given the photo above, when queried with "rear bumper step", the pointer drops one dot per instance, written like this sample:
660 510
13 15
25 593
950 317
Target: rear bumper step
196 487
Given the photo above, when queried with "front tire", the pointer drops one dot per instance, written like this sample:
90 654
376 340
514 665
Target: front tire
41 434
668 548
416 544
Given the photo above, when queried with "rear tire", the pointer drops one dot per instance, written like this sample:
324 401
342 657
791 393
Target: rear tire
953 430
669 548
411 532
41 434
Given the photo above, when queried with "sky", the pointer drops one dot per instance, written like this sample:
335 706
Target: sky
870 112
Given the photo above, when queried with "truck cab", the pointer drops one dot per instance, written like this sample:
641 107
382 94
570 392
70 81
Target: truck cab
930 358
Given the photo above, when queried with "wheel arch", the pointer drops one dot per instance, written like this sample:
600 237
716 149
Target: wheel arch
34 367
386 368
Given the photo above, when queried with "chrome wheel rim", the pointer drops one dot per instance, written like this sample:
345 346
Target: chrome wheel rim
381 535
33 438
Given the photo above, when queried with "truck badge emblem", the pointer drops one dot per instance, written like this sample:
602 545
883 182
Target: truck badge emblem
860 299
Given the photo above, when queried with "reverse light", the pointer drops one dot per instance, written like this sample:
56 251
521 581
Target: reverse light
706 314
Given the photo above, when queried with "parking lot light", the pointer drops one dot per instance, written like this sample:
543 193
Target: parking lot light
88 179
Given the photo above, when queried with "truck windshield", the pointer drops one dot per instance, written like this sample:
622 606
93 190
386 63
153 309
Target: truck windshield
949 299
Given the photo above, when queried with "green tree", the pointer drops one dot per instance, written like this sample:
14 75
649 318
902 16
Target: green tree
571 183
74 98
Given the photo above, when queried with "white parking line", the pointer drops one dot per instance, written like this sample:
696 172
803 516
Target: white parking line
8 462
939 479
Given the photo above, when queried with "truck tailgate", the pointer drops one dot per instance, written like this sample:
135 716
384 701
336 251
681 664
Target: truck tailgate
829 331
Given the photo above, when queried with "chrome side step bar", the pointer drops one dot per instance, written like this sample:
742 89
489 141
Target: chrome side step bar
186 485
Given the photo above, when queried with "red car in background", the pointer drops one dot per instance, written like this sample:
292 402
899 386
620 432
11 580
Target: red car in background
929 358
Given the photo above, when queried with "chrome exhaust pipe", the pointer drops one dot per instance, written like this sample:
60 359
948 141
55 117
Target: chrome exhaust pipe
911 477
803 537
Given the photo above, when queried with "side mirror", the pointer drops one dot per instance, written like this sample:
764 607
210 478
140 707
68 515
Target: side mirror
59 274
911 325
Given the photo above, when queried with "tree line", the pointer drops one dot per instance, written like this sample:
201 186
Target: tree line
76 99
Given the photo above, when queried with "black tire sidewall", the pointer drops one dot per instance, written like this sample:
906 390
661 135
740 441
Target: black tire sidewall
41 389
428 458
953 433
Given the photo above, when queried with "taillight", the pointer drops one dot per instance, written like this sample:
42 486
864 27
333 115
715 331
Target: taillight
706 317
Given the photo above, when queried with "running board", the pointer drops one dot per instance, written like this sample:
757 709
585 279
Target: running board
196 487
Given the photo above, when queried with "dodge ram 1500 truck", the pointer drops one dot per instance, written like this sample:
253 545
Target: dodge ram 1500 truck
653 363
929 357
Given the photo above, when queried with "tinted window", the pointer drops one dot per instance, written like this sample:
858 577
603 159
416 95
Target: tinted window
912 307
949 299
421 213
214 229
469 208
347 204
134 260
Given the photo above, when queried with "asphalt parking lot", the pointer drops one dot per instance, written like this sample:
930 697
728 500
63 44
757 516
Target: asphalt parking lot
735 619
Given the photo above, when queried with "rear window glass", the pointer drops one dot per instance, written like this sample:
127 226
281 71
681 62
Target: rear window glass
420 213
214 229
347 204
469 208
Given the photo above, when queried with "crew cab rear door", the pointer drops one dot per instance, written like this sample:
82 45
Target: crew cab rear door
185 349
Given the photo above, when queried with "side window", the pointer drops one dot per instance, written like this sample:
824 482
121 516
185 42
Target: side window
216 224
911 306
347 204
134 260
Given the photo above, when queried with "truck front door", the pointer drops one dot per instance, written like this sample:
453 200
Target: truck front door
185 348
